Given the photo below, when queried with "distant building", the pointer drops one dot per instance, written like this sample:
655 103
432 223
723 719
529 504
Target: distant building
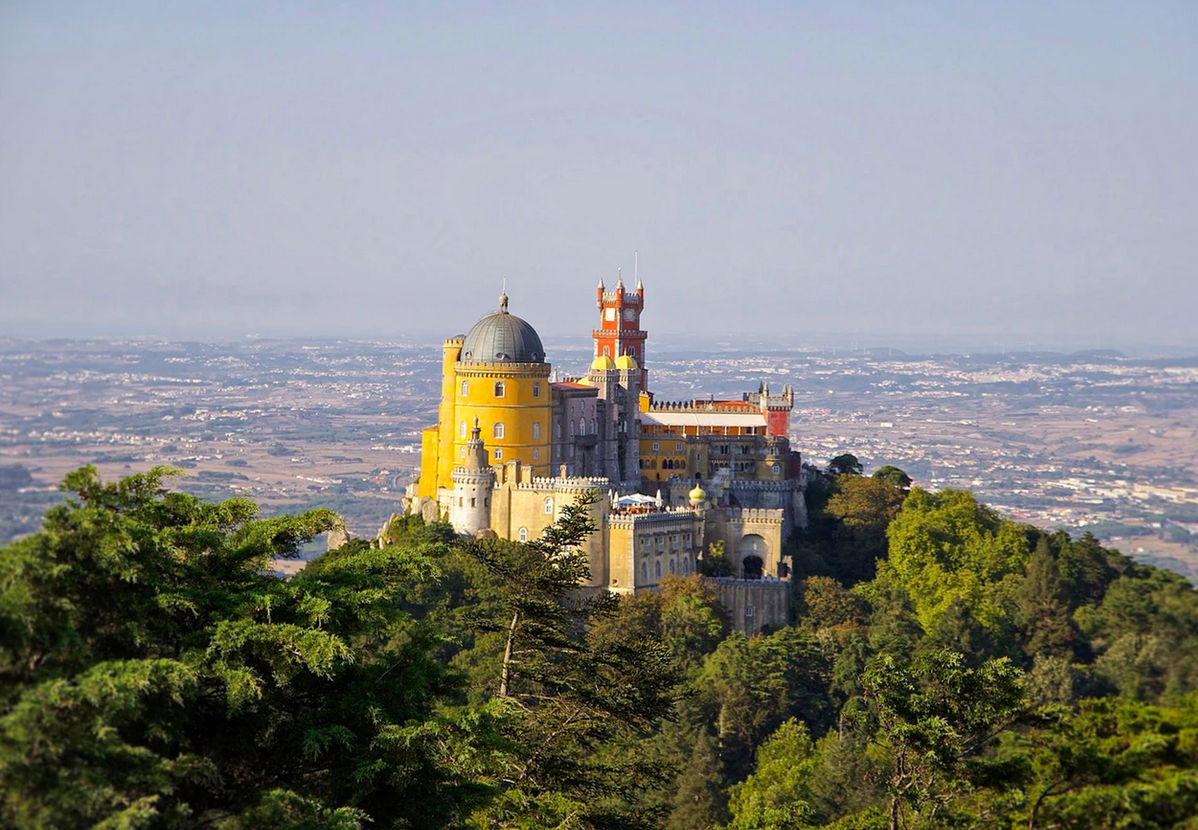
511 448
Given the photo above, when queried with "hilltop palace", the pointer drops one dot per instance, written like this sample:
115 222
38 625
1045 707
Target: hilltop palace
512 447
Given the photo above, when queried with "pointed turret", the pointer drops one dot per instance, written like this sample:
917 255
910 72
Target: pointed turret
473 482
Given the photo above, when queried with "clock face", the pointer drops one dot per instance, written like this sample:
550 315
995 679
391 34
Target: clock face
629 313
609 313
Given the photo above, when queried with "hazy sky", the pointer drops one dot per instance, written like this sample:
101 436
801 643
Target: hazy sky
1003 170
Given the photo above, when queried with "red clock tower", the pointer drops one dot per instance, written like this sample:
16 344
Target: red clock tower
619 331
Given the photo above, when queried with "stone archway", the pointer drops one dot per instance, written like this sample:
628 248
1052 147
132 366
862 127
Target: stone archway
750 553
751 567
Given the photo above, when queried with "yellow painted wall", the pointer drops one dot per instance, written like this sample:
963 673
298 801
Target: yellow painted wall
429 440
518 410
446 455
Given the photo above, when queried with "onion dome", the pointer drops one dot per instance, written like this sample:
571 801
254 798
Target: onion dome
626 362
697 496
602 363
500 337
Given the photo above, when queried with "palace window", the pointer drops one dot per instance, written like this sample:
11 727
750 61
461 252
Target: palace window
498 453
657 569
536 429
536 453
523 534
548 507
656 446
661 545
557 429
671 566
497 430
607 351
644 572
677 446
777 469
536 389
499 389
465 388
462 429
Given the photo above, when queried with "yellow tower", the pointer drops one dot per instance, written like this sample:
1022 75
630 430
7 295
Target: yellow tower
496 374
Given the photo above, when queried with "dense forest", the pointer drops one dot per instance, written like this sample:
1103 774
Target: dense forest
946 667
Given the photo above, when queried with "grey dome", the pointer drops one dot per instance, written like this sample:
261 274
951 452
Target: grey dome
500 337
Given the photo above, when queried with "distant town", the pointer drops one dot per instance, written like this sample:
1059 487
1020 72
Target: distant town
1086 441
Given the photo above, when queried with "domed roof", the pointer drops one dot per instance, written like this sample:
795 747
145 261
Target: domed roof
602 363
697 495
500 337
626 362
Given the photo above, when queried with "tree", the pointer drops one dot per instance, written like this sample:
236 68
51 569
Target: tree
153 672
572 695
932 720
1047 626
863 509
777 795
948 551
893 475
749 686
824 603
700 803
845 464
715 561
1115 763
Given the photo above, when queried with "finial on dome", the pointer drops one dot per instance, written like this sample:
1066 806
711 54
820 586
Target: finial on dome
503 303
619 278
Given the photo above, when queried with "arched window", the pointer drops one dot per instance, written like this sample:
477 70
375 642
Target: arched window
499 389
462 429
657 569
536 453
497 430
607 351
671 566
536 429
465 388
523 534
557 429
644 572
548 507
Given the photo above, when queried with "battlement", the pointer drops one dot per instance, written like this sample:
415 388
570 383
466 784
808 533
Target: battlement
566 484
701 406
752 484
666 516
760 515
631 298
504 368
461 474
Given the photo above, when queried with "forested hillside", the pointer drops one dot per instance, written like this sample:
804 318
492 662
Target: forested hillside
947 667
